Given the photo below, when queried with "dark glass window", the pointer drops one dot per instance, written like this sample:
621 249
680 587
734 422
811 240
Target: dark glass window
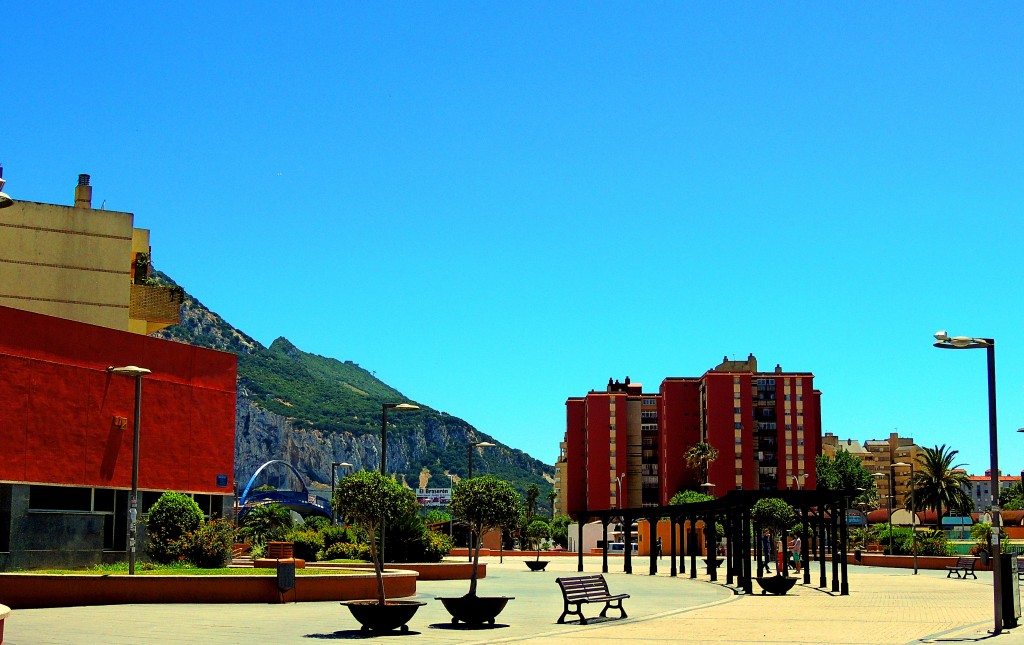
103 500
59 498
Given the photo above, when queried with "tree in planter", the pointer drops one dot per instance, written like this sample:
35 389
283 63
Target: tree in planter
689 497
536 531
368 500
484 504
939 484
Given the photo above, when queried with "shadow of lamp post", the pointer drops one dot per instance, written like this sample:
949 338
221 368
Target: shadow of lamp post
945 341
133 500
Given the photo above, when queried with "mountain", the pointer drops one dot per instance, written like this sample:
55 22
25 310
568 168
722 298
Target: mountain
312 411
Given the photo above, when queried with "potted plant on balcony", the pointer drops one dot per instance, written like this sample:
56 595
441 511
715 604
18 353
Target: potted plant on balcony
535 533
777 516
368 500
483 504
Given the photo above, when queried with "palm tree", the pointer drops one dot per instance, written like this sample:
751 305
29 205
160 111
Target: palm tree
938 484
532 493
699 456
552 496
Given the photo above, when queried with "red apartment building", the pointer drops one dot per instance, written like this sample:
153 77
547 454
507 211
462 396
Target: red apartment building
626 448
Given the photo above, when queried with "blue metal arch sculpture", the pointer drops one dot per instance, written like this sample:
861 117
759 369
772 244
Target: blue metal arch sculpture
245 493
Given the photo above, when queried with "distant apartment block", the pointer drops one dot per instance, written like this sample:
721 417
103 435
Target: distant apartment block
624 447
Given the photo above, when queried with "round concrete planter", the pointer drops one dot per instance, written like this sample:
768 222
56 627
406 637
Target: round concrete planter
392 615
475 610
775 585
537 565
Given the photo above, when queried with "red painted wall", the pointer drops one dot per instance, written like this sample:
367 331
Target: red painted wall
720 425
59 405
598 452
678 430
575 455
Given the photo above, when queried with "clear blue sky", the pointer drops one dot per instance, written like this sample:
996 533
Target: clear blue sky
498 206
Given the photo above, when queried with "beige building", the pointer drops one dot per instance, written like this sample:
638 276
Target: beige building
877 455
83 264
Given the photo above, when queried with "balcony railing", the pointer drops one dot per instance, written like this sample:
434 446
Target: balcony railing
155 304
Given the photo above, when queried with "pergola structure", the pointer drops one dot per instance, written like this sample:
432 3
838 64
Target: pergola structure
822 514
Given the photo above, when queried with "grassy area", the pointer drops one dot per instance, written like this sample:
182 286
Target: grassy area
122 570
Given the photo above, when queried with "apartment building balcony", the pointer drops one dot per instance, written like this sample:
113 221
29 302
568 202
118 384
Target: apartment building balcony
159 306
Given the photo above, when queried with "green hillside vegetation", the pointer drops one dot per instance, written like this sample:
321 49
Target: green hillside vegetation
341 397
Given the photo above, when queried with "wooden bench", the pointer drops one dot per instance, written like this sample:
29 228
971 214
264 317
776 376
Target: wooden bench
965 564
1020 568
577 590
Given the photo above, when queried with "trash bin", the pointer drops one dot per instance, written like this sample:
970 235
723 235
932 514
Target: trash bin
1011 590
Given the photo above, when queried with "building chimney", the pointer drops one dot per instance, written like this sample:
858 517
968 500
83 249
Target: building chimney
83 192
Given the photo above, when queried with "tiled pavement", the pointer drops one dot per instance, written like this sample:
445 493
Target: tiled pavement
884 606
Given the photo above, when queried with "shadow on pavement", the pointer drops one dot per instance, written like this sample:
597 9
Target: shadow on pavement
357 634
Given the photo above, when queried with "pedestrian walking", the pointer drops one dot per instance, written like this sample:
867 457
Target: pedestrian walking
767 550
659 547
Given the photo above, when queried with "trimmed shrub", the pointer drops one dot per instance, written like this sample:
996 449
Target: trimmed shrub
169 519
209 546
307 544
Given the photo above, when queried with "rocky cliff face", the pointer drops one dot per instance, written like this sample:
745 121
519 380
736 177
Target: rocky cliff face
333 410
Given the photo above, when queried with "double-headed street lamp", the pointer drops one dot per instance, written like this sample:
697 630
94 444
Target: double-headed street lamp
133 499
334 468
945 341
799 479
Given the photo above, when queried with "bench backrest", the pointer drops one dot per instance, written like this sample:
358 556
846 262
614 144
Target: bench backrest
964 561
583 587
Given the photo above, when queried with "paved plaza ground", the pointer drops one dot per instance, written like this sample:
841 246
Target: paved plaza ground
885 606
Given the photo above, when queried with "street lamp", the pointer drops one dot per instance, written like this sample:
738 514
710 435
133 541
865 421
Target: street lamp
334 466
913 510
133 499
618 491
384 430
945 341
799 479
709 488
476 444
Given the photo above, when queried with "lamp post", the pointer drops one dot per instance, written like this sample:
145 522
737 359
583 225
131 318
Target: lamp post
133 499
334 467
476 444
913 510
799 479
709 488
384 451
618 492
945 341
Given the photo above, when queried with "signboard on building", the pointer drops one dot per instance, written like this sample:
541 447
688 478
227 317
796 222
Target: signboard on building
434 496
855 517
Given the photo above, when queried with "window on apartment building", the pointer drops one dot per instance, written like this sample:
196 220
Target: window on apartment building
738 426
737 410
649 402
789 427
786 397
